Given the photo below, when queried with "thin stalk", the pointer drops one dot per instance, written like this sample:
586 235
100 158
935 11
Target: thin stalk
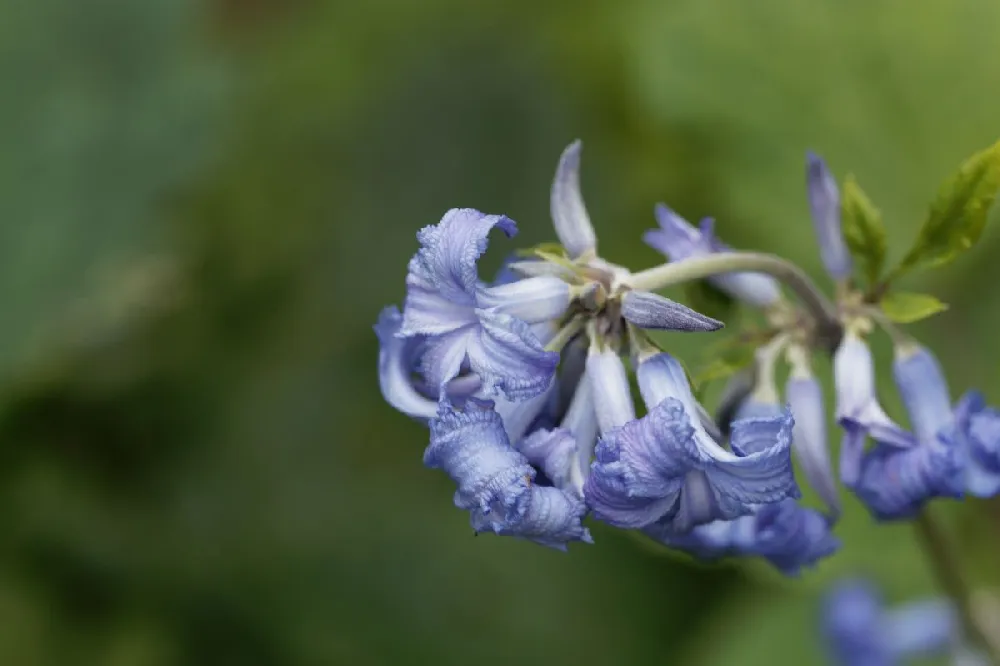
822 309
947 569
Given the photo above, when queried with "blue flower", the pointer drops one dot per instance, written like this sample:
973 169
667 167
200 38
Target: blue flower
978 426
665 469
785 534
859 631
896 478
678 240
496 482
463 321
824 204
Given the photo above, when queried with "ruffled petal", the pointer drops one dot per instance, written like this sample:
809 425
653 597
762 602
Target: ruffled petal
444 355
640 467
790 536
396 364
569 214
472 448
678 240
531 300
809 442
895 483
978 428
508 357
552 518
761 470
442 278
824 204
648 310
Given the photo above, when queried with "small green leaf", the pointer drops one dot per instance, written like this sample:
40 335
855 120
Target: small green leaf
708 300
905 308
863 229
727 362
958 215
550 248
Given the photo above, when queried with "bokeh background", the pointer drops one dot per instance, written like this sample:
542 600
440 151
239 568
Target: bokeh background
205 204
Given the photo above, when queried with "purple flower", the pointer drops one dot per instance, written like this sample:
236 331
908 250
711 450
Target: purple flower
465 322
859 631
665 469
785 534
496 482
824 204
678 240
397 361
978 428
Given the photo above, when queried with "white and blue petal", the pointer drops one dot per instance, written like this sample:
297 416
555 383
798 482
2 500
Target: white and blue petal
978 428
397 361
508 357
532 300
809 438
609 388
648 310
569 214
824 204
553 452
678 240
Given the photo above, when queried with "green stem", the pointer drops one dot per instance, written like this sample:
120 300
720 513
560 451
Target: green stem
948 571
822 309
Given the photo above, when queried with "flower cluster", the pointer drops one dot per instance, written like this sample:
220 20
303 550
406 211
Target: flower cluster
523 382
860 631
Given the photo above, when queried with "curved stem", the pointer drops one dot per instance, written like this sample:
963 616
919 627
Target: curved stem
948 571
822 309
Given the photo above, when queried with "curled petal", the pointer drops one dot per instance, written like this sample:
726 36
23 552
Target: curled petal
978 428
678 240
442 278
809 443
396 364
824 204
610 388
895 483
552 518
789 536
648 310
858 409
569 214
531 300
924 392
508 357
553 452
760 472
472 448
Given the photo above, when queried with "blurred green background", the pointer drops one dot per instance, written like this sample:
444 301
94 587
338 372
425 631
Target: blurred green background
204 205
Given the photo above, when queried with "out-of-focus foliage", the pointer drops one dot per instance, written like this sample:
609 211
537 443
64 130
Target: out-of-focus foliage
198 467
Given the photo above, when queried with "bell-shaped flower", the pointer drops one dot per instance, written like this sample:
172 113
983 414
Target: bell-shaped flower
464 321
860 631
496 482
858 410
678 240
978 428
895 482
569 214
665 468
824 204
784 533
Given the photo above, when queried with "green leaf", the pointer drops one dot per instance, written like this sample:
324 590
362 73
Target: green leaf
905 307
728 361
863 229
708 300
958 215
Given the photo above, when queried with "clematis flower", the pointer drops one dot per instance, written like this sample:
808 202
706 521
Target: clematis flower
860 631
665 469
462 321
678 240
496 483
784 533
824 204
895 481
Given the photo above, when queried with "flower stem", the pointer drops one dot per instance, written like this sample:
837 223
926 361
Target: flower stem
948 572
822 309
